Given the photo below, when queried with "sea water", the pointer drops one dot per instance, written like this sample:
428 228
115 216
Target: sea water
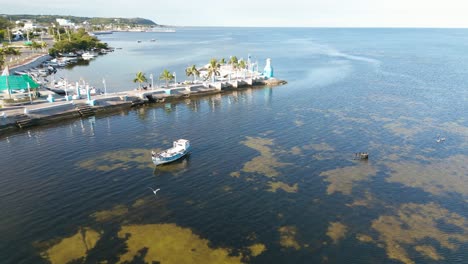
272 177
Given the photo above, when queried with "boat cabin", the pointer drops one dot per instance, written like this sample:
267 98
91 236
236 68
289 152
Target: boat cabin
181 143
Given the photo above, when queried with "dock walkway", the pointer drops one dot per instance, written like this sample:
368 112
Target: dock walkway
44 112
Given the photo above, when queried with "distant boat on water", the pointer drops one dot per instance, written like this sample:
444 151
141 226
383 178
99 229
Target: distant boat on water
87 55
180 148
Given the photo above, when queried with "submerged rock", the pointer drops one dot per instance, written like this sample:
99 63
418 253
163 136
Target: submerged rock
274 82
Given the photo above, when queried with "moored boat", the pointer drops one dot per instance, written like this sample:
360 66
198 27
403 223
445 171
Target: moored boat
87 55
180 148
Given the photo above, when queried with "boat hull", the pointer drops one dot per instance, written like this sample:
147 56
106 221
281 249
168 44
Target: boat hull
159 161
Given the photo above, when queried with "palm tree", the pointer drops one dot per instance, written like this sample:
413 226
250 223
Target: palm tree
222 61
140 78
213 69
167 76
192 71
242 66
35 45
234 62
44 45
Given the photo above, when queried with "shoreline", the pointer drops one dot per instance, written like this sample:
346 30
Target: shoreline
15 116
35 61
19 117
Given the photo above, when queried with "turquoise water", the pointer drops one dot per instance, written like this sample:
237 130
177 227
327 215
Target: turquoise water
270 166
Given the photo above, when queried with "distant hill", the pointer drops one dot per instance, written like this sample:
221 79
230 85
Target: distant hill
47 19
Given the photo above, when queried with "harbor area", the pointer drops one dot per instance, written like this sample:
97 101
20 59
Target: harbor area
49 107
26 101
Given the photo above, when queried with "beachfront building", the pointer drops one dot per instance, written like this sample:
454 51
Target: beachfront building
26 24
65 22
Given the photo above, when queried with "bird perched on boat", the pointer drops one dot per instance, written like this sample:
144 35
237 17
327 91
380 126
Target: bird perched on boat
154 191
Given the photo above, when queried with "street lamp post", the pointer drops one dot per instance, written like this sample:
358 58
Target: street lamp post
105 88
152 85
175 80
66 93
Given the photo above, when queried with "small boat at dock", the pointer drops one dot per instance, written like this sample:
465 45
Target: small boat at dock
87 56
180 148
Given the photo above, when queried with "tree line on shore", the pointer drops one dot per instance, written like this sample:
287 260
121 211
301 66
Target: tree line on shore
65 40
212 70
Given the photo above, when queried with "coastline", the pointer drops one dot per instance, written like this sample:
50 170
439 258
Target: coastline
35 61
17 117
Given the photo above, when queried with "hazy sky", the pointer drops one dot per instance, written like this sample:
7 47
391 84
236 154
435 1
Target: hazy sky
307 13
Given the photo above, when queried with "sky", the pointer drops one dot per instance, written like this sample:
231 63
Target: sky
261 13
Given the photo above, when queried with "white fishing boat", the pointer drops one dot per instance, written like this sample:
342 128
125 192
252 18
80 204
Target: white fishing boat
87 55
180 148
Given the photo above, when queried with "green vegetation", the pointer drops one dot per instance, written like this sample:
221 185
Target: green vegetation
167 76
213 69
37 45
192 71
233 62
74 248
66 39
48 19
4 51
140 78
4 24
74 41
169 243
242 65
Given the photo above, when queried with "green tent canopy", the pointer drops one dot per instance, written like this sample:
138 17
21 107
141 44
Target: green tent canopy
17 82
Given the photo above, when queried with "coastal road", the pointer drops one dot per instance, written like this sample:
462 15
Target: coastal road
27 54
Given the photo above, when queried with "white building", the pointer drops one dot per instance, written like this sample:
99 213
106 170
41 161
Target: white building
65 22
28 24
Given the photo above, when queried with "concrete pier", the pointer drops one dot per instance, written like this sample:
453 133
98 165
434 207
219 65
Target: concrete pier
13 117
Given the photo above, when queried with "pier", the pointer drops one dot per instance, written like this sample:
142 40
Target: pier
18 112
42 112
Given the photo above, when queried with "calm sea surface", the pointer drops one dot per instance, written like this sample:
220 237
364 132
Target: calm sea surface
272 176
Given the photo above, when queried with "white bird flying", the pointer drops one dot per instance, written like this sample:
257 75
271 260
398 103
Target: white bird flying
154 191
